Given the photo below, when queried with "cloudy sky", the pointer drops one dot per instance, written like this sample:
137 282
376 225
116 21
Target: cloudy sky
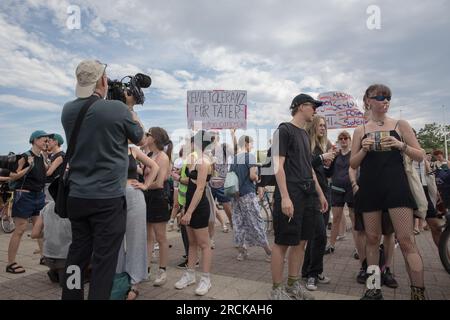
272 49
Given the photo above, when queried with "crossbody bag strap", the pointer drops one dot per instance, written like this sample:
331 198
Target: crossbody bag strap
76 129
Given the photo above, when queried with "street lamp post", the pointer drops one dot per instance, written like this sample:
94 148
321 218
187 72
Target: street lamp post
445 133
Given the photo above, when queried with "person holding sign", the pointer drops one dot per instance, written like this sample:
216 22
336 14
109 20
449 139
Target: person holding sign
383 184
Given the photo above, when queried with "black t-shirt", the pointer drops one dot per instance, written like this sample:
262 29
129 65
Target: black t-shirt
340 177
292 143
34 180
57 172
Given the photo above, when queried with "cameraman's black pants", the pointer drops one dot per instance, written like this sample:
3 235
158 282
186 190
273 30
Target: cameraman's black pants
98 228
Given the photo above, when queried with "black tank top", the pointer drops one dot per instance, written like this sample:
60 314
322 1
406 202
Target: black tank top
203 204
132 167
35 179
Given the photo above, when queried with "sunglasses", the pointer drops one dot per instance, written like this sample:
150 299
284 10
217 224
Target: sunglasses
343 138
381 98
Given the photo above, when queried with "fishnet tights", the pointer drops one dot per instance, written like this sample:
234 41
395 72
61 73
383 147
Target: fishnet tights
403 222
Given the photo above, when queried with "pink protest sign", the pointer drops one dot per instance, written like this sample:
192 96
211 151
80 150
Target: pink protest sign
340 110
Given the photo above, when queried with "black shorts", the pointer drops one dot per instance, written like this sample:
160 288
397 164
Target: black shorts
340 198
302 225
157 206
200 217
386 224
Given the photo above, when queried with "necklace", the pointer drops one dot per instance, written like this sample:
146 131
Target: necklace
380 123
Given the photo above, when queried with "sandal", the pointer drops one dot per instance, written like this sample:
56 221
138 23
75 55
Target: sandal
416 231
134 291
12 268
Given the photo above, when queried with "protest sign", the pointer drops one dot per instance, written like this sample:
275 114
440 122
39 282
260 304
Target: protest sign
217 109
340 110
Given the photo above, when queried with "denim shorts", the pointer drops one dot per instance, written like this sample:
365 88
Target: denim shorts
218 193
27 204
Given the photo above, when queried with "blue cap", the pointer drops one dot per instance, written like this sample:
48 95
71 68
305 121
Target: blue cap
38 134
57 137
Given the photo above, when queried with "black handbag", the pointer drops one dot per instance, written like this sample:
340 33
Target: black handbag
59 188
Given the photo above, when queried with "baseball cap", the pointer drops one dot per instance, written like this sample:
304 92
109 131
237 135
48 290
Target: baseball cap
38 134
88 72
304 98
57 137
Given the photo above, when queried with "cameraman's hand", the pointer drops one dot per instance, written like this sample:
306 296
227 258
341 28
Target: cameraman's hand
129 100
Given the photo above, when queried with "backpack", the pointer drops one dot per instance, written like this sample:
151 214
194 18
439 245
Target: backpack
443 176
267 170
13 185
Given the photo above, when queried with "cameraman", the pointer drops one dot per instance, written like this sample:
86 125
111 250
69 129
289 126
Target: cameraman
98 175
29 197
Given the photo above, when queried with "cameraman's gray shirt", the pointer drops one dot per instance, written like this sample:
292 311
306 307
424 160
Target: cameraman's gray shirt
98 167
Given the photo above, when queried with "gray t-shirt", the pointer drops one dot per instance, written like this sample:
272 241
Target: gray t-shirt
244 161
57 233
98 167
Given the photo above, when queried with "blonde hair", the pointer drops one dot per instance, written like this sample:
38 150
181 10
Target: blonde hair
315 140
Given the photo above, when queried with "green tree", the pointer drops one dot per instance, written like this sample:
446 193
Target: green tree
431 137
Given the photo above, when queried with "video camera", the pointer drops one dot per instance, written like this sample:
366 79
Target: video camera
116 88
9 163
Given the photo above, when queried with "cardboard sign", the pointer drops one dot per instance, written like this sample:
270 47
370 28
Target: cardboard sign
340 110
217 109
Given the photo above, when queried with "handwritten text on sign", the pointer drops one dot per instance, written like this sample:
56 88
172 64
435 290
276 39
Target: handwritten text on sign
340 110
217 109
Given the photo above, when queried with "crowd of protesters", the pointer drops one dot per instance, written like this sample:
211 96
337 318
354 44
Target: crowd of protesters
126 192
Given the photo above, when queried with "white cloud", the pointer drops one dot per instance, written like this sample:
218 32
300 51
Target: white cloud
28 104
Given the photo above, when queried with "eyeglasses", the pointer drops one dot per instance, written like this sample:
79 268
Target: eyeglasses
312 105
381 98
343 138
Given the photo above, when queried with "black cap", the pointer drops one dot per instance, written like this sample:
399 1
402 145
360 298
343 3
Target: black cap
304 98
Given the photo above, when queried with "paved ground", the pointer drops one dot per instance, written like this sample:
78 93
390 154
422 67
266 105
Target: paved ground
231 279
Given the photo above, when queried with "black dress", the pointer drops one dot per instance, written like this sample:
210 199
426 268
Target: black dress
382 182
200 216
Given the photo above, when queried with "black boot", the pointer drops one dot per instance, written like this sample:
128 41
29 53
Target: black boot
417 293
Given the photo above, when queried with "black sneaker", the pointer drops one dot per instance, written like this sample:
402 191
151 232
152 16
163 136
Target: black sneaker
362 276
329 249
387 279
184 265
53 276
372 294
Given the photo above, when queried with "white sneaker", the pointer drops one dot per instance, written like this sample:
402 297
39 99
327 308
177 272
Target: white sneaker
203 286
311 284
268 258
298 292
187 279
156 246
161 278
225 228
213 243
340 238
243 254
170 225
279 294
